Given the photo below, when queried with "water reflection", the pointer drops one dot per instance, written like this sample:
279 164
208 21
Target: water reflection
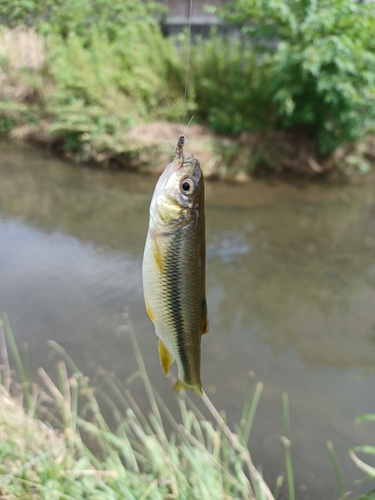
291 294
304 275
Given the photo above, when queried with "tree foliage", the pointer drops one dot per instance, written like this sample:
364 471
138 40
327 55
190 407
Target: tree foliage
297 64
81 17
322 55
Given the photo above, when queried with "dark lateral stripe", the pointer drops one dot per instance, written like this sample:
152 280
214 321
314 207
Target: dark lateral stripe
173 270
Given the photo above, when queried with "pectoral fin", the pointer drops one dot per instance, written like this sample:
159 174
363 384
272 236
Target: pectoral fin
165 358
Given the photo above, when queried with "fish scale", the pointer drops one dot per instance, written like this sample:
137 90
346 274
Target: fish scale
174 268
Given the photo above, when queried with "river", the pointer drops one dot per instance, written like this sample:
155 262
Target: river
290 291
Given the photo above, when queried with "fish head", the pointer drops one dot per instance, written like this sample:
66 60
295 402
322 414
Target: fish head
177 195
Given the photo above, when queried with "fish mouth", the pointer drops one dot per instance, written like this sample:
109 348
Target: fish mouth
185 161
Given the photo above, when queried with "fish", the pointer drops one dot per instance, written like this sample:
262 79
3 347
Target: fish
174 266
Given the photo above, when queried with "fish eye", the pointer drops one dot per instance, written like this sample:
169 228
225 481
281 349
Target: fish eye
187 186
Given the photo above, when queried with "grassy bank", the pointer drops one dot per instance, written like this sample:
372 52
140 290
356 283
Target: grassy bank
99 83
55 442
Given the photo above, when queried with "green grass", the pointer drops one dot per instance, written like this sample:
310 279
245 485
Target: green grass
365 467
56 443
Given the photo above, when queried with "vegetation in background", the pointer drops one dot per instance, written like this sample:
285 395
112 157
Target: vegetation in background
83 17
78 75
231 89
322 59
101 69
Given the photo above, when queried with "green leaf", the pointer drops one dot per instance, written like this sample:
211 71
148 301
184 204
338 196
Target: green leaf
370 450
369 417
370 471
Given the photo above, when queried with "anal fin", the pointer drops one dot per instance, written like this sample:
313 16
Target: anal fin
165 358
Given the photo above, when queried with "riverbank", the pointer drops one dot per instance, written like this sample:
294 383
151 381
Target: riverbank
149 147
90 107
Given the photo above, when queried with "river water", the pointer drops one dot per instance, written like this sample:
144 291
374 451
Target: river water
290 291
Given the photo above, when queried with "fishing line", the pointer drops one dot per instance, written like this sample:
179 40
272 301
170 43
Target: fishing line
188 62
187 67
191 119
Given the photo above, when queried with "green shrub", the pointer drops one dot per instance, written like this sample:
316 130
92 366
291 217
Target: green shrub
106 88
106 67
322 59
80 16
231 89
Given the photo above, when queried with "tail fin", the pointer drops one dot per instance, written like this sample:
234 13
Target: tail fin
180 384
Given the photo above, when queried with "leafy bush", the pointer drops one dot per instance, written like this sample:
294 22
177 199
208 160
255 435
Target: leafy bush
231 89
80 16
322 57
105 68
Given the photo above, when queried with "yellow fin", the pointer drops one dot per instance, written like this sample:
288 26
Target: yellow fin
165 358
180 384
149 312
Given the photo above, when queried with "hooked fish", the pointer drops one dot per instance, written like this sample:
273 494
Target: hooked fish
174 267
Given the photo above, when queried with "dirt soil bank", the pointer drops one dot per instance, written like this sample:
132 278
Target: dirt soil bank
150 147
